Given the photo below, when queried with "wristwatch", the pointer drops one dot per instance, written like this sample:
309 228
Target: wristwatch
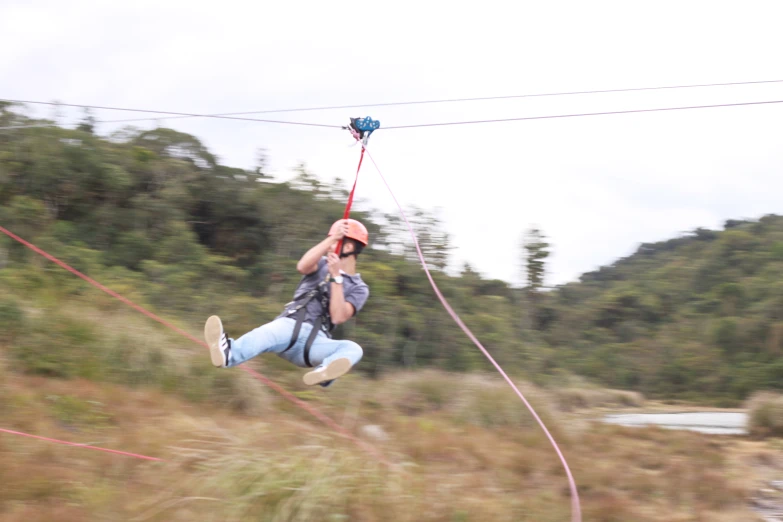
338 279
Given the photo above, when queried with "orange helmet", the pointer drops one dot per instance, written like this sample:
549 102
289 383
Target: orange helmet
356 231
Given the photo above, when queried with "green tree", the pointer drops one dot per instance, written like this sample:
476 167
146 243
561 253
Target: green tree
88 123
536 251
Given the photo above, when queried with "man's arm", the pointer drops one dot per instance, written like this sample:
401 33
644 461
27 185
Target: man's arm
309 262
339 310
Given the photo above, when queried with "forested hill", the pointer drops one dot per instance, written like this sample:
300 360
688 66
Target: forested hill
699 315
155 215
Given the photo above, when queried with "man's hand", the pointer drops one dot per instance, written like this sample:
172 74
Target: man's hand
334 264
309 262
342 230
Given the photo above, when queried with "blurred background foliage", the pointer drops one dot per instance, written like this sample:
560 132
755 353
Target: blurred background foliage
155 216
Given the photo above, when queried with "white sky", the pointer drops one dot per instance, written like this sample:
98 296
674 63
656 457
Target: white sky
597 186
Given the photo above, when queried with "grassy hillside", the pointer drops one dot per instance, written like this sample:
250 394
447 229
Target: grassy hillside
463 447
80 366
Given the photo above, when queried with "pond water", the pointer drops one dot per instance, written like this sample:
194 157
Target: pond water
720 423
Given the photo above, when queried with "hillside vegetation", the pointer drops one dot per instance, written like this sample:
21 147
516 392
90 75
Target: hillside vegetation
462 447
693 317
156 216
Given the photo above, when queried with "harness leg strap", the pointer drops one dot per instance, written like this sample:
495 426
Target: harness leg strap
311 339
300 315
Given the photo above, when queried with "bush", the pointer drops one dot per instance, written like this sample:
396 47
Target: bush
422 392
481 400
493 404
73 412
26 217
231 389
129 250
569 399
134 361
309 481
59 346
12 319
765 414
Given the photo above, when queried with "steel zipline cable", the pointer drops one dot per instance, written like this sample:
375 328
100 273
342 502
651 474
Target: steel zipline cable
503 97
578 115
161 114
240 116
496 120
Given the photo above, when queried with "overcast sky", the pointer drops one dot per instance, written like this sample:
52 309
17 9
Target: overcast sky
597 186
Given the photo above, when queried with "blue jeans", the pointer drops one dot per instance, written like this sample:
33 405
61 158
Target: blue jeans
274 337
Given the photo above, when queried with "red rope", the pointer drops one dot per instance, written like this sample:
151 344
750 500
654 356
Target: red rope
117 452
288 395
350 200
576 513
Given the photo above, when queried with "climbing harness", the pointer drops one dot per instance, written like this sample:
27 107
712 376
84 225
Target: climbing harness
322 323
298 307
361 128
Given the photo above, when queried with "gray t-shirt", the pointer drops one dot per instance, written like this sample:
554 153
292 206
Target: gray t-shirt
355 291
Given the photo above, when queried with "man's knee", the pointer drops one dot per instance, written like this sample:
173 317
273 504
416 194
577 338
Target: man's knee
355 350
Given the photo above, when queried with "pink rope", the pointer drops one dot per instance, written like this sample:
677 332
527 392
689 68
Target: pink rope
288 395
117 452
576 515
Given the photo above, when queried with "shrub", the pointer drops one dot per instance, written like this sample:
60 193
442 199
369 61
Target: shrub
233 390
12 319
765 414
310 481
59 346
569 399
493 404
73 412
130 249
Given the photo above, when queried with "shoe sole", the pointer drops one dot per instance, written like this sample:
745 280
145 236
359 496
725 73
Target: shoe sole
335 369
212 332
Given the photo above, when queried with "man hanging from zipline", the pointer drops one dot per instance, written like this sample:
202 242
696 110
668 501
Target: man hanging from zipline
329 293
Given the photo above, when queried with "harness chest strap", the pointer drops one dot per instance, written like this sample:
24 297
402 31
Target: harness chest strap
300 310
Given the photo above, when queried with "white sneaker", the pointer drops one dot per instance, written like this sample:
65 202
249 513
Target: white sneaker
326 374
218 342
